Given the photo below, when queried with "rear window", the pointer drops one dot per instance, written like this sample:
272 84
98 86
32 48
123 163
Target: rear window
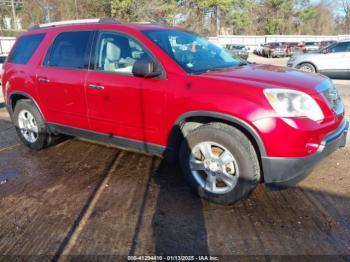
25 48
70 50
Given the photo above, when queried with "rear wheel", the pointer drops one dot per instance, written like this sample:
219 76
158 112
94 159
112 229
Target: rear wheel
30 125
220 163
307 67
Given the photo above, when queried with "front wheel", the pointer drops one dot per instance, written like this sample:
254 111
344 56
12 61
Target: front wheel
220 163
307 67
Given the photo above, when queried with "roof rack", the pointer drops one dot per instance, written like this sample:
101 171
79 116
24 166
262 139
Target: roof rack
72 22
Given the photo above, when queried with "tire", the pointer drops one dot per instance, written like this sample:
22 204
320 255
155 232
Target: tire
26 109
307 67
245 164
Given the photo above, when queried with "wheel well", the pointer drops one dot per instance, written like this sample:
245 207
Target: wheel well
306 62
181 130
15 98
188 124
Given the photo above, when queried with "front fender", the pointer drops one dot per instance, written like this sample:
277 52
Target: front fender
228 118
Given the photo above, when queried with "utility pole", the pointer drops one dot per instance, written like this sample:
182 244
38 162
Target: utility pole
76 9
47 8
218 20
14 15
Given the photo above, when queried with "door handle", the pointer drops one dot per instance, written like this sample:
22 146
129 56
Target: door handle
97 87
43 80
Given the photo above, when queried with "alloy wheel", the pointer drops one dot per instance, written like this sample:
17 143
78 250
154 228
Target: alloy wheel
214 167
28 126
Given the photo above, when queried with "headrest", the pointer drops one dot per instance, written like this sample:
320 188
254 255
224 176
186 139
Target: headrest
112 52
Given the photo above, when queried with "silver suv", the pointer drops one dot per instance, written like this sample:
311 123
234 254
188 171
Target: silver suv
333 60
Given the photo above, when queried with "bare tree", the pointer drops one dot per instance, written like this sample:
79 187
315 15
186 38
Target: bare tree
346 9
202 16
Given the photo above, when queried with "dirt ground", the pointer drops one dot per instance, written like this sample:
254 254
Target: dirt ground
84 198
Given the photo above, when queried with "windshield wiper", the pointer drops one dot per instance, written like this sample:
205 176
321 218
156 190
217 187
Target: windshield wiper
241 63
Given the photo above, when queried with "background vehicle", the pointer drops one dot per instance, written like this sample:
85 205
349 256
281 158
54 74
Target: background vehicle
275 49
310 47
324 44
2 61
172 93
258 49
237 51
333 61
292 48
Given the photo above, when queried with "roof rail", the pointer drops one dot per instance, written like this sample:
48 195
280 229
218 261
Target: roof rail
72 22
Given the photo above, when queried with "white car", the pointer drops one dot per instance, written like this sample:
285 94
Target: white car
2 60
332 61
258 49
311 46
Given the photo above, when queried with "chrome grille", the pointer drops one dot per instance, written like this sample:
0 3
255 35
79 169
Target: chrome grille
332 97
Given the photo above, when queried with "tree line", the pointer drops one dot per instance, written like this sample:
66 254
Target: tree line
208 17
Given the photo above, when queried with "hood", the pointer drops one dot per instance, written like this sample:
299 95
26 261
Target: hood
268 76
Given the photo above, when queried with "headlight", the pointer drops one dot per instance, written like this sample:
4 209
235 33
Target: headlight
291 103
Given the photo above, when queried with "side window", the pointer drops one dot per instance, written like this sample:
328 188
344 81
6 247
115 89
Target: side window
340 47
70 50
25 48
117 53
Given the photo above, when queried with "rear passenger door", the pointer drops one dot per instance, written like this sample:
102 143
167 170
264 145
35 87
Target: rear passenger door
120 104
61 79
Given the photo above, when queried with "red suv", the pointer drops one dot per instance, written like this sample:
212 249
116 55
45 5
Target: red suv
172 93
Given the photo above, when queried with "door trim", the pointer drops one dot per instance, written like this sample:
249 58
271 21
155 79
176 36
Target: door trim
118 141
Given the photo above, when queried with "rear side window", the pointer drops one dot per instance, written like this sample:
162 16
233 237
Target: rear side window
70 50
340 47
25 48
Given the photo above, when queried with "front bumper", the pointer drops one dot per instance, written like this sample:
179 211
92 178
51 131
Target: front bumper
282 172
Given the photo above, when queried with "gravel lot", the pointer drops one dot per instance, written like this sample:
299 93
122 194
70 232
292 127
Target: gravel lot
85 198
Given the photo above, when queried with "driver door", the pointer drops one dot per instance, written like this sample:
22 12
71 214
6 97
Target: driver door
120 104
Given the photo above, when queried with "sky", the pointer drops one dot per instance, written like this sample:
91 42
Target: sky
338 7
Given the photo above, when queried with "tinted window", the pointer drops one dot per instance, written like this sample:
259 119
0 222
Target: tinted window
340 47
70 50
310 43
25 48
2 59
275 44
117 53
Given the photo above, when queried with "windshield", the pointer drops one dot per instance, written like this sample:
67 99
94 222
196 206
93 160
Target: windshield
310 43
235 47
239 47
327 48
192 52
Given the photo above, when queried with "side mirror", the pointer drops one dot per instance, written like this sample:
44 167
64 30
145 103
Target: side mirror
145 68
